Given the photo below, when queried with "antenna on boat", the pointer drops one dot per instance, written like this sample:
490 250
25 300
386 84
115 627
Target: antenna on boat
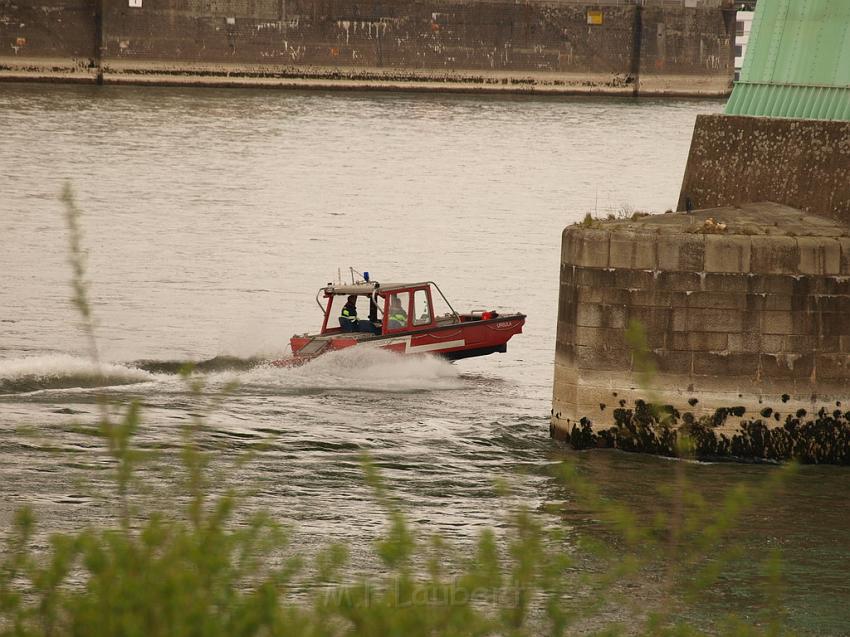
358 277
339 276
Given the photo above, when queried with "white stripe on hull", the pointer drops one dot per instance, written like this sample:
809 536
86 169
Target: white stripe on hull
413 349
416 349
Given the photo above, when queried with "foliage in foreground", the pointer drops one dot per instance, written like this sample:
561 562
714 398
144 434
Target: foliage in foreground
204 570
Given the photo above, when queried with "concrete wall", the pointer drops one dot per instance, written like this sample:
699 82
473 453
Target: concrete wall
55 29
800 163
496 43
740 310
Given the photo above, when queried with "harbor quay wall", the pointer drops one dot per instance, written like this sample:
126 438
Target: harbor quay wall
801 163
735 317
535 45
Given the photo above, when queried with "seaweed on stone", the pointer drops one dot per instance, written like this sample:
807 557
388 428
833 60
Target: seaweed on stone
823 438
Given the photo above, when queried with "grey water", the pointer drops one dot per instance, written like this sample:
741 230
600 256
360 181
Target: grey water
211 218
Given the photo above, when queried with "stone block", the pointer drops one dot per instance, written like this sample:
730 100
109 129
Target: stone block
754 303
726 365
771 284
567 304
751 343
649 298
788 366
699 341
833 323
589 315
634 279
727 253
828 344
717 300
678 281
681 252
725 282
823 285
774 255
776 302
636 251
806 322
837 303
751 321
802 303
615 316
605 296
774 343
601 337
807 285
674 362
652 319
595 277
612 359
590 295
570 246
819 255
593 249
800 343
832 367
779 323
709 320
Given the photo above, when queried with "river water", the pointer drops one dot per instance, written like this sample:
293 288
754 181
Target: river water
212 217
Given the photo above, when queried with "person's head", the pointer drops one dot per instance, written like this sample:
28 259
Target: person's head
395 302
352 299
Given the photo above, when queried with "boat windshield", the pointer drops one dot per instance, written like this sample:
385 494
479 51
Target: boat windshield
421 309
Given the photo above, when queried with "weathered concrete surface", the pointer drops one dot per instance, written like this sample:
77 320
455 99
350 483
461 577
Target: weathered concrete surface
485 45
800 163
740 315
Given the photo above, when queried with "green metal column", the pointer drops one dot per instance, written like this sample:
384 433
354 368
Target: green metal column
797 62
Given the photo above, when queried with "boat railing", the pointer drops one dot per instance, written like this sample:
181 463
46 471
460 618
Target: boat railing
440 292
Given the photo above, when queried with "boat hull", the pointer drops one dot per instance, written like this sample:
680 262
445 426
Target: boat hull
465 339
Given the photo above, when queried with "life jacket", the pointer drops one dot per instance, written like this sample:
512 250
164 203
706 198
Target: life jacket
399 317
349 313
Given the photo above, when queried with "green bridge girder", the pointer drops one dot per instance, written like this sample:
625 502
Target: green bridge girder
797 62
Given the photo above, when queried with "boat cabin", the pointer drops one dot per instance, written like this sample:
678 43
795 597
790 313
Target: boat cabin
384 309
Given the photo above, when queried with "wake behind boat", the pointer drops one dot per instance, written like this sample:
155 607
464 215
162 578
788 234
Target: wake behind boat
401 318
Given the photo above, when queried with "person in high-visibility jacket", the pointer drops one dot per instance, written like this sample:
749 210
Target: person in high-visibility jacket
398 317
348 318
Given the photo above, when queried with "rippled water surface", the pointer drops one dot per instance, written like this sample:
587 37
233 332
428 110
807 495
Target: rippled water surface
211 218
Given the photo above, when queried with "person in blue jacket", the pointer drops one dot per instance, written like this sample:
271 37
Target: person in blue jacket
348 318
349 322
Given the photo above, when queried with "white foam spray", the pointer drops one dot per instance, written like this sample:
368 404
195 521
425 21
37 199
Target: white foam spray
63 371
354 369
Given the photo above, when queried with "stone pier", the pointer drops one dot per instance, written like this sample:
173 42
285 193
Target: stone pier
740 307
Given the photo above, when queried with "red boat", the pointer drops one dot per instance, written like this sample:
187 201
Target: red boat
401 318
